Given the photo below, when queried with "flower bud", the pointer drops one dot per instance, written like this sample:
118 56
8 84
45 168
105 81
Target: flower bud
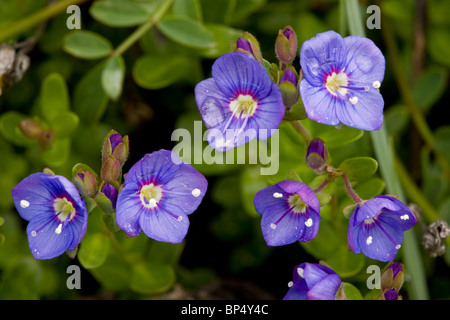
111 169
289 89
111 193
393 277
45 139
286 45
86 183
30 129
116 146
317 155
248 44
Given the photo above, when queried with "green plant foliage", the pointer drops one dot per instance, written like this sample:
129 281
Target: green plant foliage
133 66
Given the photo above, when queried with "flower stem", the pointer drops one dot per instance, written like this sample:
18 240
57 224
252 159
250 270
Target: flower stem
139 32
321 186
301 129
350 191
36 18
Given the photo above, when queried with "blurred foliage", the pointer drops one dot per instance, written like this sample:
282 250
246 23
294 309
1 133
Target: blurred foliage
132 67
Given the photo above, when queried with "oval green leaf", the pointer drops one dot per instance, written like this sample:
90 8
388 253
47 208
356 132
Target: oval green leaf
118 13
158 71
186 31
86 45
94 249
359 168
112 77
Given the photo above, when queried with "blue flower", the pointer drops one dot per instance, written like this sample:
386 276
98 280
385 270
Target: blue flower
312 281
239 103
56 213
341 80
290 212
376 227
159 193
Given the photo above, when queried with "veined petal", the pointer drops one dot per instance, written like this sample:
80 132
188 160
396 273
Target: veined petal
320 55
212 103
365 62
129 208
381 240
366 114
158 165
325 289
239 73
44 242
165 223
32 197
320 105
186 189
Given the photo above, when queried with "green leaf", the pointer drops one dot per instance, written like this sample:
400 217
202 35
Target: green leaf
251 181
54 97
347 291
89 98
189 8
359 168
86 45
370 188
438 45
337 138
152 277
65 123
119 13
112 77
158 71
186 31
222 35
164 252
94 249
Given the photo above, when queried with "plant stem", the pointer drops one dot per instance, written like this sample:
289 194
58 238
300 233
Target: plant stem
139 32
321 186
36 18
350 191
301 130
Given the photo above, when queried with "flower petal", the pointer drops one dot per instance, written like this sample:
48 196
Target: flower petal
165 223
32 196
320 55
157 165
366 114
239 73
365 62
44 242
320 105
129 208
325 289
212 104
186 189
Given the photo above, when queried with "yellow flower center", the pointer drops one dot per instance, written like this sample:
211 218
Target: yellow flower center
64 209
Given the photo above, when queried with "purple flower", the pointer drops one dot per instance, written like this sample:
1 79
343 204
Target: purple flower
312 281
56 213
390 294
159 193
376 228
290 212
341 80
317 155
239 103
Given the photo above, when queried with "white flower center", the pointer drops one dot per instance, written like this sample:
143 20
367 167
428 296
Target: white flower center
336 83
297 203
64 209
244 104
150 195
